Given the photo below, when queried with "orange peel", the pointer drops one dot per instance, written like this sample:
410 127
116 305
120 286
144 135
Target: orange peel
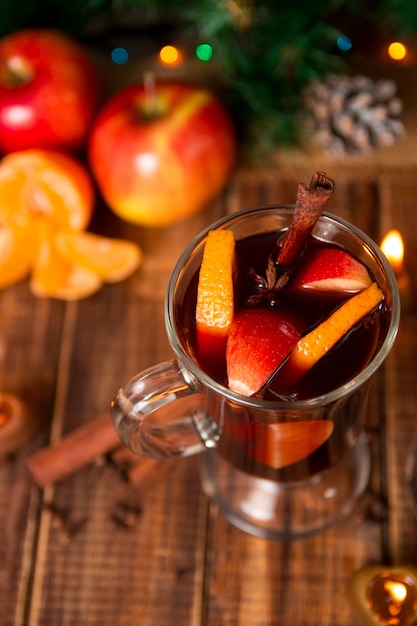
310 348
313 346
284 443
215 295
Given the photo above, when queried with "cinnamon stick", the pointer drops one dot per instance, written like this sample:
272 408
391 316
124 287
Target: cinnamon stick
310 204
59 460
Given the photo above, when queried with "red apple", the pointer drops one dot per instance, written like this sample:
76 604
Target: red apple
258 341
49 91
161 155
332 269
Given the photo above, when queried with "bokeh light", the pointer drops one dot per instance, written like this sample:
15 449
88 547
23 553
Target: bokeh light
204 52
170 55
397 51
344 43
119 55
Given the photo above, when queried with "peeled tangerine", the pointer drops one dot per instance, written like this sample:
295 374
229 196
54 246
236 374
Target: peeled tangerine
46 201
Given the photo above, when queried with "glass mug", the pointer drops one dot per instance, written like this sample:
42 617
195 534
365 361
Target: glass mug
175 409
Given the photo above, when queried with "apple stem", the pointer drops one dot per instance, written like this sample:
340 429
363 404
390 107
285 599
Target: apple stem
151 103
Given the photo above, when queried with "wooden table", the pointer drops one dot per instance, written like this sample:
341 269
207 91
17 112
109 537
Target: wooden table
94 550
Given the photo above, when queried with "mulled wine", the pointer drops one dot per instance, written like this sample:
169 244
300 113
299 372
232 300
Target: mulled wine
254 445
275 353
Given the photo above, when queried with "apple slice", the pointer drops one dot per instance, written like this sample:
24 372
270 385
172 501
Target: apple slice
215 298
259 339
332 269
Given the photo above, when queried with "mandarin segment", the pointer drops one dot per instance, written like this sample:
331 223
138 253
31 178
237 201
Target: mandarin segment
46 201
111 259
57 277
215 296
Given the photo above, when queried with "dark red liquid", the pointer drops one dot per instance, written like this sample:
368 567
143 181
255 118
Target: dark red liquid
243 439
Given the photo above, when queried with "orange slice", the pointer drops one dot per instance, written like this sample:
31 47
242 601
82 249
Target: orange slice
284 443
111 259
215 297
312 347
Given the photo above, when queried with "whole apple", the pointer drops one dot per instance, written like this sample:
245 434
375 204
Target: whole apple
49 91
160 155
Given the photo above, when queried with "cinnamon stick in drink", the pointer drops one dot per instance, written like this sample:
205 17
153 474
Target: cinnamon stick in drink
310 204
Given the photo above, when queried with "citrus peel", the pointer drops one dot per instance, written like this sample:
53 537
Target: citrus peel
313 346
215 296
46 201
310 348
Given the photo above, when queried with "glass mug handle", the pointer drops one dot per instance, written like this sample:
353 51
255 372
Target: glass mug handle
159 414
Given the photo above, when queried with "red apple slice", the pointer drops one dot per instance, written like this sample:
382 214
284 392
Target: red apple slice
332 269
259 339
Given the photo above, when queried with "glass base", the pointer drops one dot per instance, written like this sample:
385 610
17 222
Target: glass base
286 511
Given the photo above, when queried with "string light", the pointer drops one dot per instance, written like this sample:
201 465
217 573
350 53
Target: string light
170 55
119 55
204 52
344 43
397 51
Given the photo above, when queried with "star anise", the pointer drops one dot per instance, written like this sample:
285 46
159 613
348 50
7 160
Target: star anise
310 204
268 287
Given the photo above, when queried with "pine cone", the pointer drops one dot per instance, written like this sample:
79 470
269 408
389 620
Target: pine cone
353 114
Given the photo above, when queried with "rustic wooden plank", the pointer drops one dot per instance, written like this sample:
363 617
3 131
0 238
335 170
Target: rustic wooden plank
401 434
29 354
254 582
397 198
109 573
398 211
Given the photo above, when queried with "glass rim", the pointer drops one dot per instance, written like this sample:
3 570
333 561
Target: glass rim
197 374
